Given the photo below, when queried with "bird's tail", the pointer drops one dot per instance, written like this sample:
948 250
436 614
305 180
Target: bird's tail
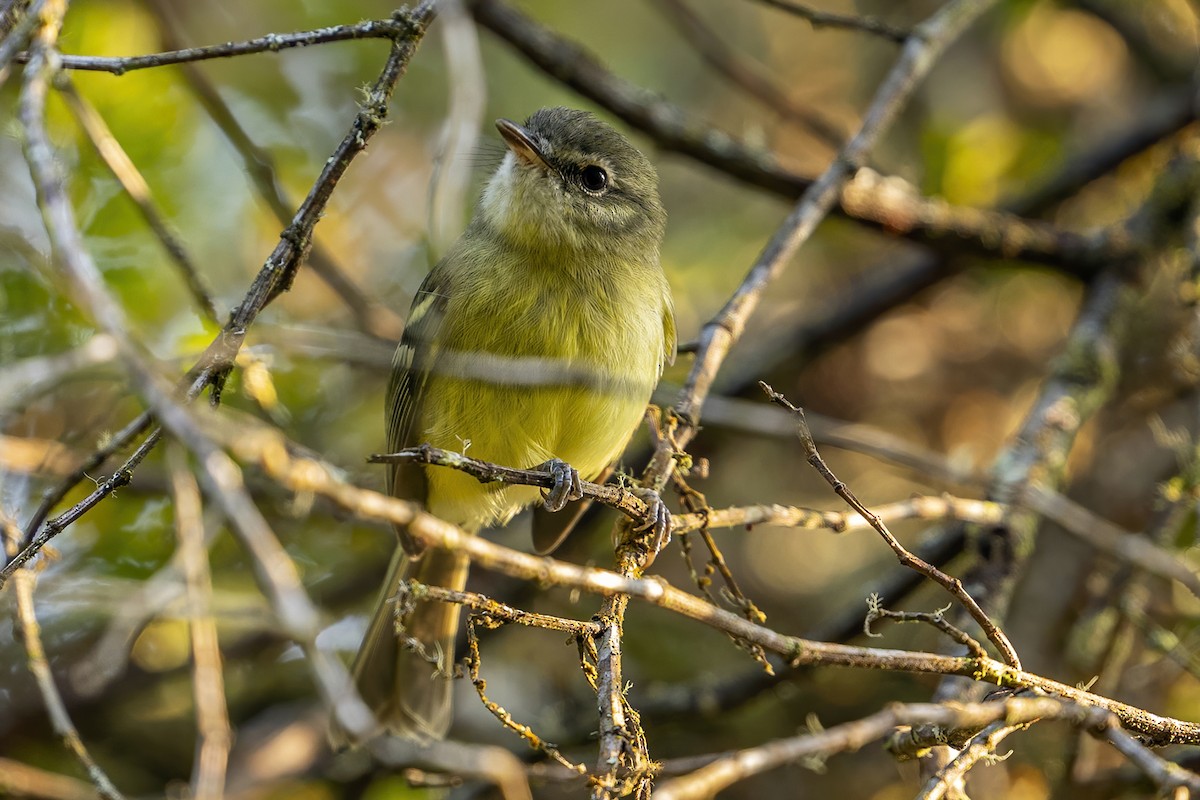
403 669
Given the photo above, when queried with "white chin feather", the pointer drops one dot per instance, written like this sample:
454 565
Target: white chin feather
497 195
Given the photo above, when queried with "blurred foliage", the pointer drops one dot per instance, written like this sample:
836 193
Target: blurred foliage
954 370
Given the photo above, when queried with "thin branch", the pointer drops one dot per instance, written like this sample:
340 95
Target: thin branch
23 780
950 584
475 664
937 619
616 497
122 477
746 75
30 633
720 333
1015 711
208 683
394 28
54 496
824 19
495 614
370 316
126 172
950 779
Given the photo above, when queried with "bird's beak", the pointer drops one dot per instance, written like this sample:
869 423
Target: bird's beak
521 143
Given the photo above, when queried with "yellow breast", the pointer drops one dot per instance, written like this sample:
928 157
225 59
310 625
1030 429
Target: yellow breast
564 370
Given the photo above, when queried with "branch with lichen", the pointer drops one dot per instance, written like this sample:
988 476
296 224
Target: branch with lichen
269 450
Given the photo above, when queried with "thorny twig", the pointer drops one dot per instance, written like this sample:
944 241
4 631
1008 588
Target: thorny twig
876 611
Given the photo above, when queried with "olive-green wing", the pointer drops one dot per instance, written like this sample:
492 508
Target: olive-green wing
411 367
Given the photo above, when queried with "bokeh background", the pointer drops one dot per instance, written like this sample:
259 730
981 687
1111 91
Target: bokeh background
953 370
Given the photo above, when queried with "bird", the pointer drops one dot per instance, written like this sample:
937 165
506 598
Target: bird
535 342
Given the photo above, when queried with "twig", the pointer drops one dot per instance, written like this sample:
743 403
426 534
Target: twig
123 169
280 267
950 584
824 19
208 684
981 747
54 496
394 28
475 663
494 614
370 316
27 624
23 780
122 477
719 334
746 75
876 611
485 472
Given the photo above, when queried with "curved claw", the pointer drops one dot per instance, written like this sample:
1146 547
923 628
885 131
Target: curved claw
567 484
658 517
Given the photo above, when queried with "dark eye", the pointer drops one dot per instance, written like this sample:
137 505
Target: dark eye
594 178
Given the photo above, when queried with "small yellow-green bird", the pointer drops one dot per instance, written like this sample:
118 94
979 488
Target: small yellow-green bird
535 342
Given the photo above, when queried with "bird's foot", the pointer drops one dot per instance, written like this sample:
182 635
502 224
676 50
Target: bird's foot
658 517
567 484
